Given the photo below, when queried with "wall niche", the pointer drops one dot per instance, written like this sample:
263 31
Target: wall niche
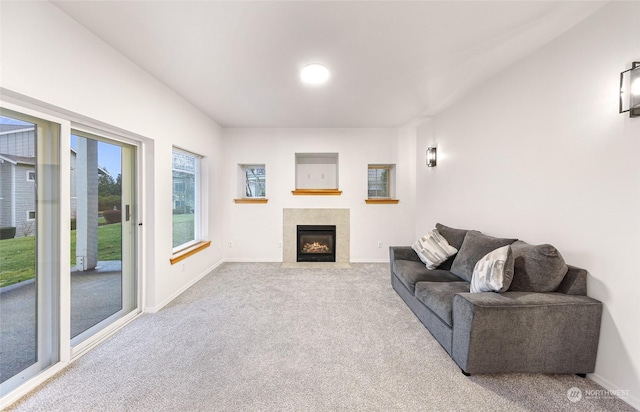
316 174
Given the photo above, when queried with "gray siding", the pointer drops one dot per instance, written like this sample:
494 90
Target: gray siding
5 194
18 144
25 201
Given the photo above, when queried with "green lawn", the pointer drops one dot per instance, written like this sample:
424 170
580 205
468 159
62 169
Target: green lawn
17 260
183 229
17 256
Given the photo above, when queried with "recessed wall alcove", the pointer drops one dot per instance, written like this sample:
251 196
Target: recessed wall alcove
291 218
317 174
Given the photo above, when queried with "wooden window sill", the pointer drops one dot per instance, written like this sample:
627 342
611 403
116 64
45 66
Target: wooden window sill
185 253
381 201
316 192
251 200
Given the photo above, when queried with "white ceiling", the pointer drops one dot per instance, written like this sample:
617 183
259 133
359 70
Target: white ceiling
390 62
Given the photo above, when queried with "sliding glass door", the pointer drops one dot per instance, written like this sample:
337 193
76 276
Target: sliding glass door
68 268
29 247
103 287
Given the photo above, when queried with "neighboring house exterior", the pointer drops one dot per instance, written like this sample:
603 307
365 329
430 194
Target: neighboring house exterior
17 193
18 178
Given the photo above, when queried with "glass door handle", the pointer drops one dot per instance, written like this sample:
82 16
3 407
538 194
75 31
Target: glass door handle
127 213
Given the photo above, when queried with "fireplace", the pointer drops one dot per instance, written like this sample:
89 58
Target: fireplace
316 243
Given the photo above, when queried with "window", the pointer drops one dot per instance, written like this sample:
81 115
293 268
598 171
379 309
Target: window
254 181
381 181
31 176
31 320
186 199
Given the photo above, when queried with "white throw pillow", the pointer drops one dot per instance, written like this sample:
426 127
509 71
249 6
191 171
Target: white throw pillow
433 249
494 272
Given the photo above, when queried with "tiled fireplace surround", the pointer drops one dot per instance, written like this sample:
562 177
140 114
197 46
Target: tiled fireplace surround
293 217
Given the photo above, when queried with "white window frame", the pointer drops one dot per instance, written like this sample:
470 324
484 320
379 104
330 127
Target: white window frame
29 173
391 180
31 219
197 206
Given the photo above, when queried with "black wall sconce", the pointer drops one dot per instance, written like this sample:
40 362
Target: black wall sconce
432 156
631 88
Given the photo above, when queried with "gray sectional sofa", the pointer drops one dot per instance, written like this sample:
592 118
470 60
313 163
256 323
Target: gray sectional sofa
544 323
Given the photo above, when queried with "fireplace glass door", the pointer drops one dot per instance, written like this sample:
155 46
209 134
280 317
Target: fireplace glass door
316 243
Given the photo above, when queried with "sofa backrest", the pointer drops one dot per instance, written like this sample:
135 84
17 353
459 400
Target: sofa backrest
574 282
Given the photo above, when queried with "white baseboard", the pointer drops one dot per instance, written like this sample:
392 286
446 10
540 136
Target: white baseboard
195 280
278 260
370 260
622 393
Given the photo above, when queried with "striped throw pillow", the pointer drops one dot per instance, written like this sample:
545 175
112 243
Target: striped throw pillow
494 272
433 249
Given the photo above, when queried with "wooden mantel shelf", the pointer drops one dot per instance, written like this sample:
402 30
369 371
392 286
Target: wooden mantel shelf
381 201
316 192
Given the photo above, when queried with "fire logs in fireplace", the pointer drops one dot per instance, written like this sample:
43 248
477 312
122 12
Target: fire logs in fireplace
316 243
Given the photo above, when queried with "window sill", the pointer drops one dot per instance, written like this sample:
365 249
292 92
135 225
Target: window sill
316 192
251 200
185 253
381 201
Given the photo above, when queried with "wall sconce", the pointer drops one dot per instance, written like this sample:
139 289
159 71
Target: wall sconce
432 156
632 88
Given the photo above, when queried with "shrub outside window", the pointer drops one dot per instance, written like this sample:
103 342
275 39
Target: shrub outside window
186 199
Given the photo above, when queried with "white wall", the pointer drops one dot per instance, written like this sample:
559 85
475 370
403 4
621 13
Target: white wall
49 57
256 229
541 153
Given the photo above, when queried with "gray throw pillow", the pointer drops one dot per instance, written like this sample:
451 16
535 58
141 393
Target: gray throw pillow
474 247
536 268
454 237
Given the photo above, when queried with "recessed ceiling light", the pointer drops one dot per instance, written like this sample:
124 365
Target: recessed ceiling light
314 74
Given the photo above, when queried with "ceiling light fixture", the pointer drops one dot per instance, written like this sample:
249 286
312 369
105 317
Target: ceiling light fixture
314 74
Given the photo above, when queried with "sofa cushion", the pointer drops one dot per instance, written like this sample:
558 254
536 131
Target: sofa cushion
455 237
536 268
433 249
494 272
474 247
409 272
438 297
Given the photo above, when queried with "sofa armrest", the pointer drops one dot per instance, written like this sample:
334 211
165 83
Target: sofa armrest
402 253
574 282
525 332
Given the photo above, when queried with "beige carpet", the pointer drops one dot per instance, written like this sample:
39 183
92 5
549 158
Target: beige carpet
259 337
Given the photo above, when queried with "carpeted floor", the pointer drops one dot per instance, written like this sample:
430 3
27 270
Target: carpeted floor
258 337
